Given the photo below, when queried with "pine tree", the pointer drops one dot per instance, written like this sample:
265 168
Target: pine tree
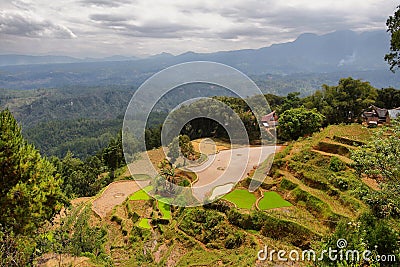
30 192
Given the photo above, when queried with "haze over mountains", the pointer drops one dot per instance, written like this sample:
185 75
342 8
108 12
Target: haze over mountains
14 59
344 52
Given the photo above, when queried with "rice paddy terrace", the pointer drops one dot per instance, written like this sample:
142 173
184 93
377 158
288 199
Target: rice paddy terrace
309 189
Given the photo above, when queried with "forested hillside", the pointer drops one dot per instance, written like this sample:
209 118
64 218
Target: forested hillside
83 119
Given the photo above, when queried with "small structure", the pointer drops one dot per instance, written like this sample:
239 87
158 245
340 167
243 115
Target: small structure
270 120
376 116
394 113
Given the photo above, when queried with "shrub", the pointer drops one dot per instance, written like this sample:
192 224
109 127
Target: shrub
314 205
234 240
340 183
219 205
116 218
336 165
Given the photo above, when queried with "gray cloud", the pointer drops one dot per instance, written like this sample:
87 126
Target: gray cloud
140 26
129 26
104 3
108 17
24 24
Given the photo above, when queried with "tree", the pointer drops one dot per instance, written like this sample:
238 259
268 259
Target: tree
173 149
393 27
292 100
344 102
298 122
30 192
181 145
388 98
153 137
167 172
113 154
80 178
186 146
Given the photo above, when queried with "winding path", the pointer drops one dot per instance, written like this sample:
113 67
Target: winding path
228 166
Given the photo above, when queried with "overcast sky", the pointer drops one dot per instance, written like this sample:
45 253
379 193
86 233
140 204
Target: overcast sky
141 27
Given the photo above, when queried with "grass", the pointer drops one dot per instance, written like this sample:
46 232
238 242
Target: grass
144 223
199 257
141 194
272 200
165 210
243 256
242 198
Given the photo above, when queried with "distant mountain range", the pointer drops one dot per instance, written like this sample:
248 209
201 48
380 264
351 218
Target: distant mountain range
340 50
11 59
347 53
337 51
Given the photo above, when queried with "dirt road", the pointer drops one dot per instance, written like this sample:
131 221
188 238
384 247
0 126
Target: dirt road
115 194
228 166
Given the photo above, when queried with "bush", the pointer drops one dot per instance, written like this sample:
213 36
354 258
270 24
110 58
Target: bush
340 183
336 165
314 205
116 218
366 233
134 216
287 185
184 183
234 240
243 221
219 205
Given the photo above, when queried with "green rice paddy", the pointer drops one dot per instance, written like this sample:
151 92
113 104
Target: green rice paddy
242 198
144 223
141 194
165 210
272 200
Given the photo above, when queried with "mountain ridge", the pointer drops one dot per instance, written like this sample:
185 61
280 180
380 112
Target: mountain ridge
328 51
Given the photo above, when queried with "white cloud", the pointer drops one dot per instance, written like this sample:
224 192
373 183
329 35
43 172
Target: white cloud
28 25
103 27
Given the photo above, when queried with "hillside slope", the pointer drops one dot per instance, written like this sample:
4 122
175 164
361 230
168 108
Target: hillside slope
314 176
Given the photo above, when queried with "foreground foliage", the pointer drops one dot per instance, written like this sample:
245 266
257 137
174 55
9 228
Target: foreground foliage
30 193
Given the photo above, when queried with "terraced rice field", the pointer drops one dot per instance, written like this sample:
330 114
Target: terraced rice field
144 223
141 194
165 210
242 198
272 200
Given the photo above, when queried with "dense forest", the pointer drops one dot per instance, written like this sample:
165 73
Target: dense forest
96 114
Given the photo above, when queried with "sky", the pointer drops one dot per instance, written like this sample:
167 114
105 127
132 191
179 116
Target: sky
97 28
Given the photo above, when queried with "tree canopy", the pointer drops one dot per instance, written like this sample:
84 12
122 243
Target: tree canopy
343 102
298 122
393 27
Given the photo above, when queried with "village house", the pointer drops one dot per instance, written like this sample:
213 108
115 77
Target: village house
375 115
270 120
